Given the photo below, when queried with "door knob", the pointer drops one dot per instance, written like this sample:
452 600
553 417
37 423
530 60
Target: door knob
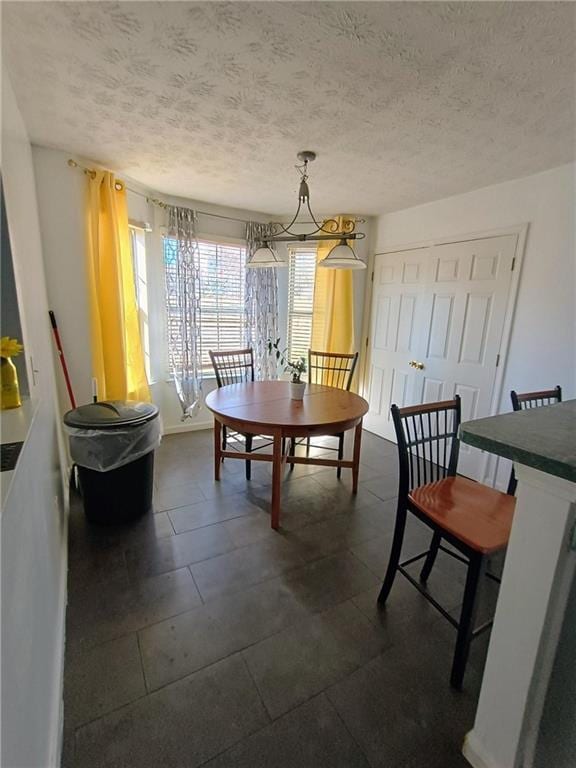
416 364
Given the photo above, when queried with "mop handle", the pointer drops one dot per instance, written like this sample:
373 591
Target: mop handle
62 358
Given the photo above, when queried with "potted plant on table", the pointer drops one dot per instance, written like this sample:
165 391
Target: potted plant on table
296 369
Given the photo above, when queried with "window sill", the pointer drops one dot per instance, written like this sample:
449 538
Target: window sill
170 380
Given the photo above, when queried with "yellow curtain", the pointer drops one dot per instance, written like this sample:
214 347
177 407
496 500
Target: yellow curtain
117 359
333 307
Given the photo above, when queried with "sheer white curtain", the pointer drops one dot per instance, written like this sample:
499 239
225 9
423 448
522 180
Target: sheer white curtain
183 304
261 308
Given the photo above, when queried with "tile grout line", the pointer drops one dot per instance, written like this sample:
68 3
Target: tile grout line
240 651
271 578
142 667
341 719
256 688
208 525
189 567
111 712
226 595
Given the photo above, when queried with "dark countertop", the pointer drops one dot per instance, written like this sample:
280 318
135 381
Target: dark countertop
543 438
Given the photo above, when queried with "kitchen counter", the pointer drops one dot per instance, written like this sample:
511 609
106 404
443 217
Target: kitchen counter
15 425
542 438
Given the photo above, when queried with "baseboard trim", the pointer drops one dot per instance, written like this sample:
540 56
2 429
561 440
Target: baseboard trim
187 427
475 753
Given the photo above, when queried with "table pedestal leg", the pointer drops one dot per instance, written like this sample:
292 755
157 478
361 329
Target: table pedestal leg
217 448
276 480
356 457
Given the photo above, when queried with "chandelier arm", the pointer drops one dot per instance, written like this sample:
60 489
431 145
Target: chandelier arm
280 228
313 237
319 226
331 226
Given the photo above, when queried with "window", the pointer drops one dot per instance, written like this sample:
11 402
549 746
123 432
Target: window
138 247
301 276
222 281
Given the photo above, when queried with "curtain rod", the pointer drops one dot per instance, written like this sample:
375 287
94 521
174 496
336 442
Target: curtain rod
161 204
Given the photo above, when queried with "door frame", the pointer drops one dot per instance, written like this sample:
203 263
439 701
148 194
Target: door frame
521 232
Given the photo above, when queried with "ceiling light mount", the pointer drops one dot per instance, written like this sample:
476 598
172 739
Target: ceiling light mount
306 156
342 256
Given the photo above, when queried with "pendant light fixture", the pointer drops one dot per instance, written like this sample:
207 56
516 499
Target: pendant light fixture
341 256
264 256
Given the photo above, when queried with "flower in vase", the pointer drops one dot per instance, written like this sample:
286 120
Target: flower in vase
10 347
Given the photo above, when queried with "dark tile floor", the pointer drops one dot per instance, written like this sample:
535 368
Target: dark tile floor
199 636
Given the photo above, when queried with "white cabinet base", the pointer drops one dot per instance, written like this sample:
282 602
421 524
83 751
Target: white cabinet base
537 575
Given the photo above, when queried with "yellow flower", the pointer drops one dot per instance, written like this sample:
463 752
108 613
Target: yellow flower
10 347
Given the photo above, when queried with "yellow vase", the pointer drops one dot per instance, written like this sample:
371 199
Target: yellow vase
10 391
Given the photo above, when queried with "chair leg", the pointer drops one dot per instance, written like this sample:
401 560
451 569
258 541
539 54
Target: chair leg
307 447
224 439
394 555
340 453
467 619
431 558
292 451
248 443
512 484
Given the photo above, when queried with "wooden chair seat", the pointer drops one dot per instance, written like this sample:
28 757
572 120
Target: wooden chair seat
476 514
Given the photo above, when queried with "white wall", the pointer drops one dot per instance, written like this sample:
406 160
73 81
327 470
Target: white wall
61 201
543 342
33 523
61 204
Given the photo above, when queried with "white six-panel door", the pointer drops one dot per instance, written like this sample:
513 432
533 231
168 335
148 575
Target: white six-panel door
443 310
398 293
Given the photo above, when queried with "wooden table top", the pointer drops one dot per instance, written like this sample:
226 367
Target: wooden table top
268 404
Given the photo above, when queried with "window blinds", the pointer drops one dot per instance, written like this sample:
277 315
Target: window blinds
301 276
222 295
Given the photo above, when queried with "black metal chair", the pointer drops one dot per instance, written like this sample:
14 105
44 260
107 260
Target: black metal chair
234 366
333 369
473 518
525 400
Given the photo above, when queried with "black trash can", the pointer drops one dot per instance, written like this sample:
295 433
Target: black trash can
112 443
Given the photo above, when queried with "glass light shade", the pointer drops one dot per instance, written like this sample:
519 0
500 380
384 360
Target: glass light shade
264 257
342 257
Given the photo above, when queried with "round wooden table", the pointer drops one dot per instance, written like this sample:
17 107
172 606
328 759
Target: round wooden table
265 408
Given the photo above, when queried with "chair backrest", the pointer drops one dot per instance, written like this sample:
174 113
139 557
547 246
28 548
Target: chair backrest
232 366
526 400
334 369
428 442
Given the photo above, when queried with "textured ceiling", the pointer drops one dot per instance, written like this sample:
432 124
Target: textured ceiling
404 102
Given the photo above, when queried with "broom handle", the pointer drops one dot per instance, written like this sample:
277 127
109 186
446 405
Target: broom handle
62 358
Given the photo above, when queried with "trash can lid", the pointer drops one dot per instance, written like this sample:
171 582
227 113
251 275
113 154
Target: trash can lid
109 414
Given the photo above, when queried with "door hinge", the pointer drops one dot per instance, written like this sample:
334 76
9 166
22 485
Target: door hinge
513 264
497 360
366 342
372 277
